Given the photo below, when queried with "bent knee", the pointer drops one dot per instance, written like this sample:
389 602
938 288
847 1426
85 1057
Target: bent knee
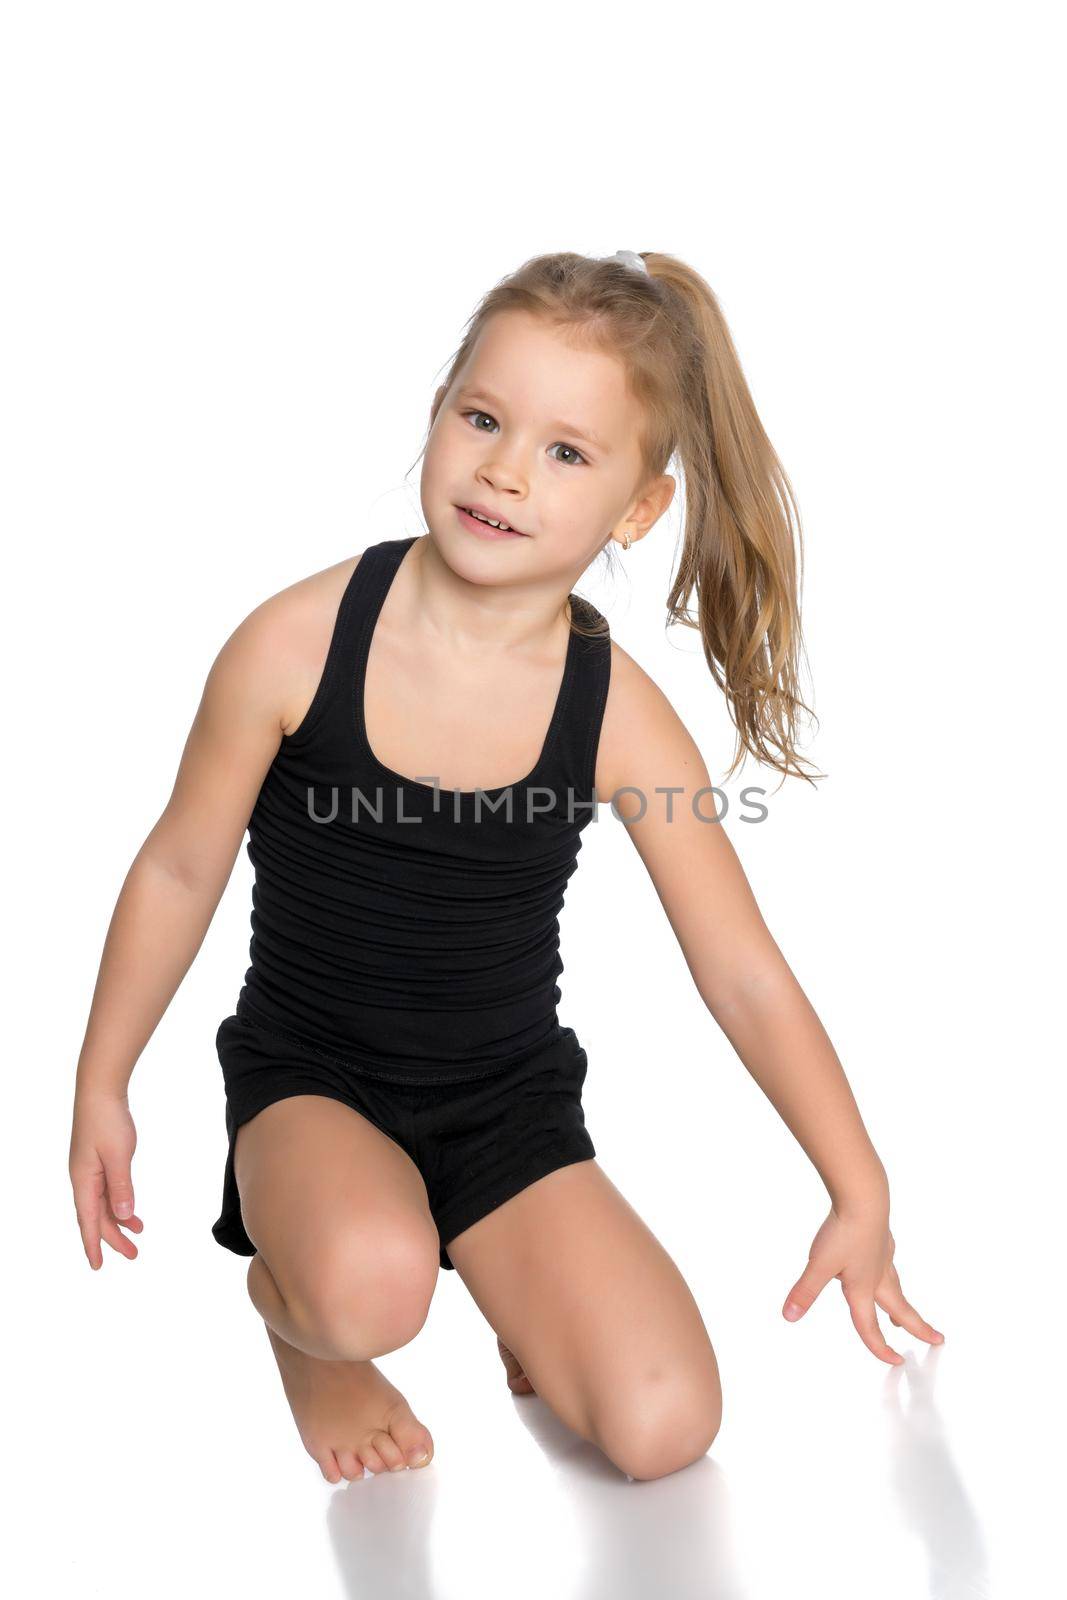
367 1288
659 1431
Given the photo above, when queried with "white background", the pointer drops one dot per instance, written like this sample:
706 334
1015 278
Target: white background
241 244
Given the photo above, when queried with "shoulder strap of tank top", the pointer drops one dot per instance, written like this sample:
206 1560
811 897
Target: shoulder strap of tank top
332 711
575 750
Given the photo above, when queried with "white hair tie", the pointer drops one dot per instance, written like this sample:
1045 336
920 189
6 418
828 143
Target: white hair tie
630 258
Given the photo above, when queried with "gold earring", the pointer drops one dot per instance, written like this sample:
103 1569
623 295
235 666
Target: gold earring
626 541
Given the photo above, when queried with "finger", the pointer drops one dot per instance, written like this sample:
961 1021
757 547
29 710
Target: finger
135 1224
113 1234
88 1185
805 1292
86 1210
132 1224
865 1321
119 1189
903 1314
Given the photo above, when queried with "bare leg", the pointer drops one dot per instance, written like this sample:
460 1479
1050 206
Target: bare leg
355 1247
267 1299
593 1312
349 1416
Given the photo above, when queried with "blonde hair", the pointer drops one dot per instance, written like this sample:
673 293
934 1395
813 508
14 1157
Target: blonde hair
742 546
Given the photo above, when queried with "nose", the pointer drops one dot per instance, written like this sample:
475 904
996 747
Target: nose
505 481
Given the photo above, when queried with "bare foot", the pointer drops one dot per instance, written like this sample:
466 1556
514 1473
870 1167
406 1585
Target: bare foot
349 1416
518 1382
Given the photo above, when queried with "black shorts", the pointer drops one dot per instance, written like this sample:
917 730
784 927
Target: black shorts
477 1141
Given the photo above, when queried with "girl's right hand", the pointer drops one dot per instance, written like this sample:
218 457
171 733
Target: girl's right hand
103 1139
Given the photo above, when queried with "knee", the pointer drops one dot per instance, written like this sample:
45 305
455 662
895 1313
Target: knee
369 1289
660 1428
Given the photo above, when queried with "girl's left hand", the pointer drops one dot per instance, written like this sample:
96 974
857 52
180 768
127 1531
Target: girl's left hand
858 1247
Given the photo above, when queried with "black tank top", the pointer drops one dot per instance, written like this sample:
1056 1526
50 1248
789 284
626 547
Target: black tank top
408 929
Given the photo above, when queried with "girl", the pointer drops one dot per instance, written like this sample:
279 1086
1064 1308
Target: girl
400 1094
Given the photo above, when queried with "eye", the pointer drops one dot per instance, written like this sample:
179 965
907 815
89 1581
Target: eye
559 446
478 414
573 452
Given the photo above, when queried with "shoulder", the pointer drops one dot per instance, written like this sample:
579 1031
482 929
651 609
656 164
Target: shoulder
277 652
644 744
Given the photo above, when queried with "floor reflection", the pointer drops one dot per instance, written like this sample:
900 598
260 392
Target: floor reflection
673 1536
669 1536
929 1487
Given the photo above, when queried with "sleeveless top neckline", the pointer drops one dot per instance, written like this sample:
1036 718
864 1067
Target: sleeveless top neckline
384 583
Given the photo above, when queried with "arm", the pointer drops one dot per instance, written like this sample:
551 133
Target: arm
749 988
171 891
176 880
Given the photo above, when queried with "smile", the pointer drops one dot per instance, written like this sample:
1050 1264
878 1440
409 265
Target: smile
488 526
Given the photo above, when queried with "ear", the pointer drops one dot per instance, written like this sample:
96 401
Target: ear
651 505
665 494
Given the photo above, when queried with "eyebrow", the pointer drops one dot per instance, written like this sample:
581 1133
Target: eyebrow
470 392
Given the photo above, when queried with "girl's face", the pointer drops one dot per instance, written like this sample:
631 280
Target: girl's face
542 435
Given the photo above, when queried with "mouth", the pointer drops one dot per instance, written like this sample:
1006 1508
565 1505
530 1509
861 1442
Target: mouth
478 522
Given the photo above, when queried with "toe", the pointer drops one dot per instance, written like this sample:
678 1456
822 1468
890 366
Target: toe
389 1451
371 1459
330 1470
414 1440
518 1382
349 1465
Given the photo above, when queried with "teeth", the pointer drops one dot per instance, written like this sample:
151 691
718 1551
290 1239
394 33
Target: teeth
490 521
